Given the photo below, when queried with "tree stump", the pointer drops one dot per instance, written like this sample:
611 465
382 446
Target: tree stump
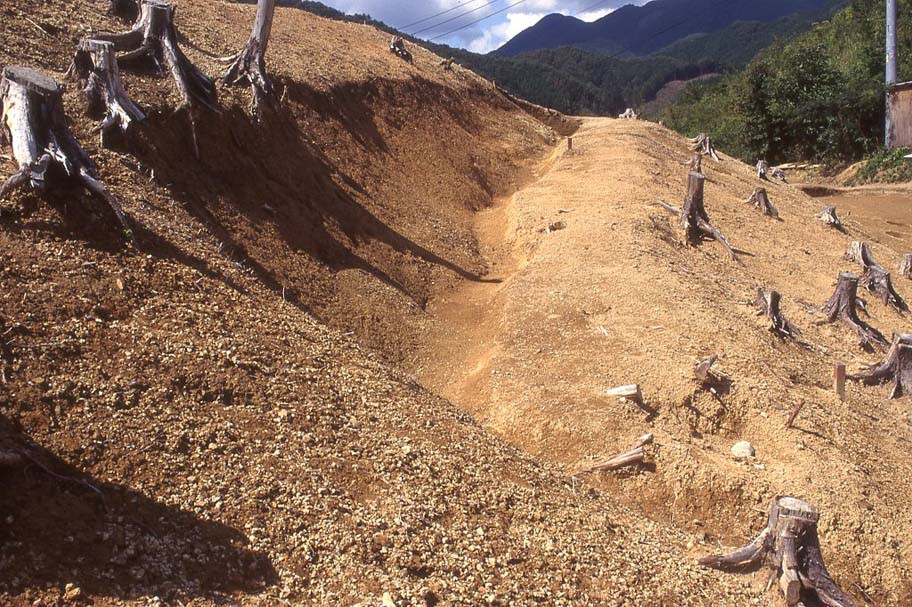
694 218
896 367
703 144
250 64
790 547
875 278
762 168
905 266
842 306
695 163
768 305
760 199
153 39
33 119
95 66
829 217
397 47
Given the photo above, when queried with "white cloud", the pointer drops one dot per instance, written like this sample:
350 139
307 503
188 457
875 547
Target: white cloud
494 36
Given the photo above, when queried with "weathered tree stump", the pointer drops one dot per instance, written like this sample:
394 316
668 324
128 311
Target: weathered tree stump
829 217
875 277
95 66
693 215
905 266
397 47
762 168
790 547
760 199
629 114
842 306
896 367
768 305
153 39
703 143
250 64
32 117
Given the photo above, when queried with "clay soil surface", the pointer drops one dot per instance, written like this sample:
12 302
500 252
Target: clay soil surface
591 288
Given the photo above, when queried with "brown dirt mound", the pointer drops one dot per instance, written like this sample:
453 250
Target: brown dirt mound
614 298
244 451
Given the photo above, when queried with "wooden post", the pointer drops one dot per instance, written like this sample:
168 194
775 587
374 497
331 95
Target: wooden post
839 378
569 144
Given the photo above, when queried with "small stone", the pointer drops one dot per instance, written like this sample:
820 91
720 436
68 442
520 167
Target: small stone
388 600
743 450
71 592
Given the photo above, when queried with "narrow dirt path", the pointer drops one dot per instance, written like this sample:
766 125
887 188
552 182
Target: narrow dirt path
613 297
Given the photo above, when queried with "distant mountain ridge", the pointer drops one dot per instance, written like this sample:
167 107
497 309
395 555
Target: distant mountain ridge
641 30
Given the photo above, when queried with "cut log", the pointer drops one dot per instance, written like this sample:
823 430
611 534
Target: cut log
875 278
630 392
896 367
905 266
694 218
153 40
760 199
842 306
33 119
95 67
634 455
829 217
790 547
703 143
767 303
249 66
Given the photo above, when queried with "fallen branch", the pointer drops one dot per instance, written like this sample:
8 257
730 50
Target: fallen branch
634 455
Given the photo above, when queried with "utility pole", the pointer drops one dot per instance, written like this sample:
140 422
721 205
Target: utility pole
890 79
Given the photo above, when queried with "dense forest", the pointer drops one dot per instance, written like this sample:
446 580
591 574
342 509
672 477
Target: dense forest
818 96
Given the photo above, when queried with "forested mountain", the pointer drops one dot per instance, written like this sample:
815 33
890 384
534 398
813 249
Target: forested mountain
642 30
817 96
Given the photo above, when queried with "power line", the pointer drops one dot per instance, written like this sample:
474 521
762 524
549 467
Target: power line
459 16
478 20
440 14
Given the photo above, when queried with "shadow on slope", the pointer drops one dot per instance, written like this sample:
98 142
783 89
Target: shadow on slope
110 540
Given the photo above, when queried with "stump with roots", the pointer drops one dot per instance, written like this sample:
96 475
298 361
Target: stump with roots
249 66
842 306
95 67
905 266
875 278
762 168
896 367
760 199
790 547
703 144
768 305
829 217
32 118
153 39
694 218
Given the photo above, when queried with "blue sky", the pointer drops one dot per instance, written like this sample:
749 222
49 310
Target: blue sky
481 37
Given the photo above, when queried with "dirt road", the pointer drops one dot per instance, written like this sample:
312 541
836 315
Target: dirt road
589 287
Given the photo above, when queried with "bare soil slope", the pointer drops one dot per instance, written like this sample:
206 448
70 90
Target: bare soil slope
615 298
244 452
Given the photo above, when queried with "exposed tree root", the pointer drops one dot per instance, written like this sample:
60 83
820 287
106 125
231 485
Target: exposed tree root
33 118
95 66
875 277
760 199
790 547
694 218
250 64
896 367
767 303
842 306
